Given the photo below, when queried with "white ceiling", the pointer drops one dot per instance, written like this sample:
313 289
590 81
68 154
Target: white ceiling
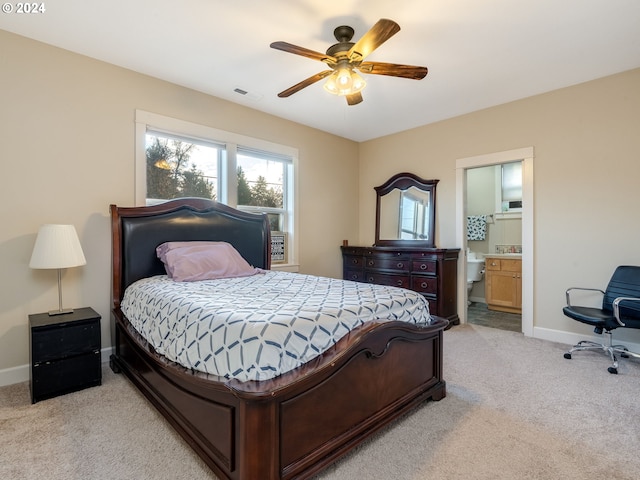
479 53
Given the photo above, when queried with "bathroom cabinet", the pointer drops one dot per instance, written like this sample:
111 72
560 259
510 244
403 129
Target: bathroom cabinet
503 283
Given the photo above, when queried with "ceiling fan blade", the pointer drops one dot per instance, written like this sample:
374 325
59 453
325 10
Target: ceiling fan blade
354 99
393 70
305 52
382 31
305 83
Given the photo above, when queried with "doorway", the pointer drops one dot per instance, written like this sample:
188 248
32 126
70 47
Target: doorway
494 225
462 165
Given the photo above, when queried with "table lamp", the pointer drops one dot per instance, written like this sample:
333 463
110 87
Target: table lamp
57 246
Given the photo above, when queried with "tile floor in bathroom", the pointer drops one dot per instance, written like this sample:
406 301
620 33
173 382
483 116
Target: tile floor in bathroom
479 314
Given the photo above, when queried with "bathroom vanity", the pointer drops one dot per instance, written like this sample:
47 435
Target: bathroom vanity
503 282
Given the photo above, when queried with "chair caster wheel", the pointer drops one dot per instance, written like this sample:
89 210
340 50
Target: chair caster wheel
567 356
613 370
624 355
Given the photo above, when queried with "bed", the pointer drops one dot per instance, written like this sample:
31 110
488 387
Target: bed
294 424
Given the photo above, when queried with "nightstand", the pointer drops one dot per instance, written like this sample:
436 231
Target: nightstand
64 353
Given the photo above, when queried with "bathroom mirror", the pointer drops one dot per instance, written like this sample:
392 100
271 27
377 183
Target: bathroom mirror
405 211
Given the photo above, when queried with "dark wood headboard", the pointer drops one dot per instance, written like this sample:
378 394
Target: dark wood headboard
137 231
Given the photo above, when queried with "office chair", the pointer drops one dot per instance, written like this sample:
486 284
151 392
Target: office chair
620 308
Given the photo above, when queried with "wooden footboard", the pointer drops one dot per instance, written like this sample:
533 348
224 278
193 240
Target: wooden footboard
296 424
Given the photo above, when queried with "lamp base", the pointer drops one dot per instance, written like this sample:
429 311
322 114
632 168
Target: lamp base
60 312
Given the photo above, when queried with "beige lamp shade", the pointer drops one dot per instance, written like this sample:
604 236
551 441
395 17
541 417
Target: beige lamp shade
57 246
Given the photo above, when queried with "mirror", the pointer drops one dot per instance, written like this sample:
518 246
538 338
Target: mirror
405 211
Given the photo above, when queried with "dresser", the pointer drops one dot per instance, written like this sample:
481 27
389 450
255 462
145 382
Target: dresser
432 272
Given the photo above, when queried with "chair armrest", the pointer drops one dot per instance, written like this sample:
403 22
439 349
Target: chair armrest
582 289
616 307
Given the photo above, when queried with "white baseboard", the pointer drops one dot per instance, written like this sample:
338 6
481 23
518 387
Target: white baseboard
569 338
12 375
20 374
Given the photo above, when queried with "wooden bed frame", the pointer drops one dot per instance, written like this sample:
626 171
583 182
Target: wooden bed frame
293 425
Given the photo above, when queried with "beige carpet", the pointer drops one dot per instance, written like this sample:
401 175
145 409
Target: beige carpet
515 409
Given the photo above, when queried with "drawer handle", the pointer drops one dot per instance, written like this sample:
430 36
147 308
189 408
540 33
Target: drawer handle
400 265
424 284
371 263
493 264
354 261
423 266
371 279
399 283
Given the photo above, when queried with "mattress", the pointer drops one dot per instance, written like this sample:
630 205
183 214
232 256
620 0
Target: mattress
259 327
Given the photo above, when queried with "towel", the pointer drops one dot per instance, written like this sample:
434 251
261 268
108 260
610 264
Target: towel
476 227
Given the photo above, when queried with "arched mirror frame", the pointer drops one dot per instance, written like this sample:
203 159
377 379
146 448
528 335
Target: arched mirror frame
404 181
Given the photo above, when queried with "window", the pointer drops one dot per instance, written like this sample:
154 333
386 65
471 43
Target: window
180 159
511 187
413 215
180 167
262 180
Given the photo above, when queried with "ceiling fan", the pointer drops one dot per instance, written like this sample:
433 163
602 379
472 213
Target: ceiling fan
345 57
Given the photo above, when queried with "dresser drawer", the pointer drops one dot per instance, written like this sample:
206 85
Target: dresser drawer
424 266
352 250
54 342
386 279
424 284
353 261
354 275
388 263
50 379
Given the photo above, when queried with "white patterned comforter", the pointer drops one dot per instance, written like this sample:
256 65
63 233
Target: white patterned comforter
258 327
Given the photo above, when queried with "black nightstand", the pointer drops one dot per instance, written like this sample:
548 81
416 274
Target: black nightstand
65 353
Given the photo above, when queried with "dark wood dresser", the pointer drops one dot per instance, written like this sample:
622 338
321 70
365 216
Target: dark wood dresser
433 272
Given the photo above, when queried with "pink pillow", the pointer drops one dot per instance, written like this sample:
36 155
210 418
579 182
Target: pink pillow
164 248
192 261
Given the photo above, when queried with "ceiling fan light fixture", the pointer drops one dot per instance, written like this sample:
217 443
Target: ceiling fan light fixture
344 57
344 81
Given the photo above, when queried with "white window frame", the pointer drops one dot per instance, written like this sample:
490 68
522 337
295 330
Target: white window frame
227 171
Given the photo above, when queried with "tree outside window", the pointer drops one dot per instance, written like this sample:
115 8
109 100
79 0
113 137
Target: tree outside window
170 172
177 167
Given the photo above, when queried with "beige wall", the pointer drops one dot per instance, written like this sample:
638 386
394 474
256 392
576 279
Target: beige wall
586 141
67 136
